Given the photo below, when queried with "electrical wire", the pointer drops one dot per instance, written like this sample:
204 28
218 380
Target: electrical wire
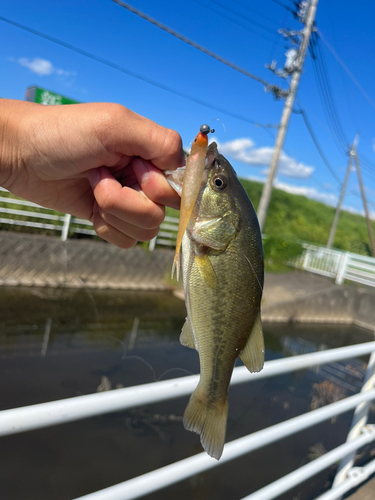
232 11
346 69
149 81
325 92
302 112
211 9
191 42
245 6
280 4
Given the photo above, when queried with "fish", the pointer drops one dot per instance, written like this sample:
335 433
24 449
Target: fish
223 275
193 175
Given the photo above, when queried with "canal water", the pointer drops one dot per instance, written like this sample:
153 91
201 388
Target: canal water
58 344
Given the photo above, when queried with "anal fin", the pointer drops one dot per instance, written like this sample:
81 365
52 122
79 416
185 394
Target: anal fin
187 336
253 353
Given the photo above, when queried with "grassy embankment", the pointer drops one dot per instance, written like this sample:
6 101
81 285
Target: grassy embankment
291 219
294 218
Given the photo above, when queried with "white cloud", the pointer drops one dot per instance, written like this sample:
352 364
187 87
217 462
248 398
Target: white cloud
243 150
309 192
42 67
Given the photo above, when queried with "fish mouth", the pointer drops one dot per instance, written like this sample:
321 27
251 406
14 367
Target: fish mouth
211 154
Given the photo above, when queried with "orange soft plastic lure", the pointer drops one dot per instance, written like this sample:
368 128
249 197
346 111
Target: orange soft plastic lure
192 180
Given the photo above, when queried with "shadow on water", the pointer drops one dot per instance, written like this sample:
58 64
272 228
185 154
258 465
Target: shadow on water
58 344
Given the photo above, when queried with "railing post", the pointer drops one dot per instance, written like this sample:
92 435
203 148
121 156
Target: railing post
65 228
358 422
342 269
306 259
151 246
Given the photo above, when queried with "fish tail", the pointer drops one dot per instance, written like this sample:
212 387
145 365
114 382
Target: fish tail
209 420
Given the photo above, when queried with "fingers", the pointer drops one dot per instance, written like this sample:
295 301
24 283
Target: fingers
123 131
125 203
154 184
122 215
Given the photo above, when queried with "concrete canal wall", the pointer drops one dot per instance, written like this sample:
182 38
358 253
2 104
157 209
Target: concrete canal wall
29 260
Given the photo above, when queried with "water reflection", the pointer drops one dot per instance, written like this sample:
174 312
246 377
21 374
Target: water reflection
59 344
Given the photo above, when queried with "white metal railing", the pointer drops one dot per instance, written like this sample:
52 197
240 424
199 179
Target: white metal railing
40 217
167 234
337 264
44 218
59 412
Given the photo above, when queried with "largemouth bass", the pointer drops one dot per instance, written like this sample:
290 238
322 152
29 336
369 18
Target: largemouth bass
222 265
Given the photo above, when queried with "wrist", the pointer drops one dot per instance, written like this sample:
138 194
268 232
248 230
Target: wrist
11 113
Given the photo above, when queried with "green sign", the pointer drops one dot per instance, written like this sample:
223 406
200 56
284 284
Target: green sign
43 96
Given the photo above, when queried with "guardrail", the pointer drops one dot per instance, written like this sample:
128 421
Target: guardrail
17 213
337 264
40 217
59 412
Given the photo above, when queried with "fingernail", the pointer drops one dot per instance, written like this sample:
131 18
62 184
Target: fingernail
141 170
93 177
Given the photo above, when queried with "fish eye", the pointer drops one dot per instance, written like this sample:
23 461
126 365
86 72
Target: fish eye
219 183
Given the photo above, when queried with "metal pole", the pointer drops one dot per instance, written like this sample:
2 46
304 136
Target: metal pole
358 422
342 193
371 236
267 189
65 228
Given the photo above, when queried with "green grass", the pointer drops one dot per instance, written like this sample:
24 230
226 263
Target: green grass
293 219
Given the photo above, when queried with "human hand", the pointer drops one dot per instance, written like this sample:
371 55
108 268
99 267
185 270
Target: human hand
98 161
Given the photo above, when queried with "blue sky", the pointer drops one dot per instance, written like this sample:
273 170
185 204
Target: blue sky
243 32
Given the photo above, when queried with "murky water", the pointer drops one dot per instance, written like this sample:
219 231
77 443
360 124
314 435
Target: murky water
58 344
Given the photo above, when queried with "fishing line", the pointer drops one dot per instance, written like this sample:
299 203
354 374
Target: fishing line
260 286
173 369
219 120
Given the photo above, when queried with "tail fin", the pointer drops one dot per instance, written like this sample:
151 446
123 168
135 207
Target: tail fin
209 420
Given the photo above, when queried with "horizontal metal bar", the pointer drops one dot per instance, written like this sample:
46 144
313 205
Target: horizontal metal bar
66 410
356 476
363 258
178 471
80 230
176 220
30 224
303 473
26 213
15 201
169 243
359 280
84 222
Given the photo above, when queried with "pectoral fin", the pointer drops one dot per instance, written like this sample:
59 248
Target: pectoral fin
253 353
206 270
187 336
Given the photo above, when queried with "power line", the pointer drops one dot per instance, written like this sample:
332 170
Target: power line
192 43
232 11
347 70
302 112
245 6
285 7
325 92
203 4
117 67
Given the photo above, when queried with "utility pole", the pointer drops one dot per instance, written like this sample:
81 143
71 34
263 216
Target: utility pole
295 68
367 215
352 153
